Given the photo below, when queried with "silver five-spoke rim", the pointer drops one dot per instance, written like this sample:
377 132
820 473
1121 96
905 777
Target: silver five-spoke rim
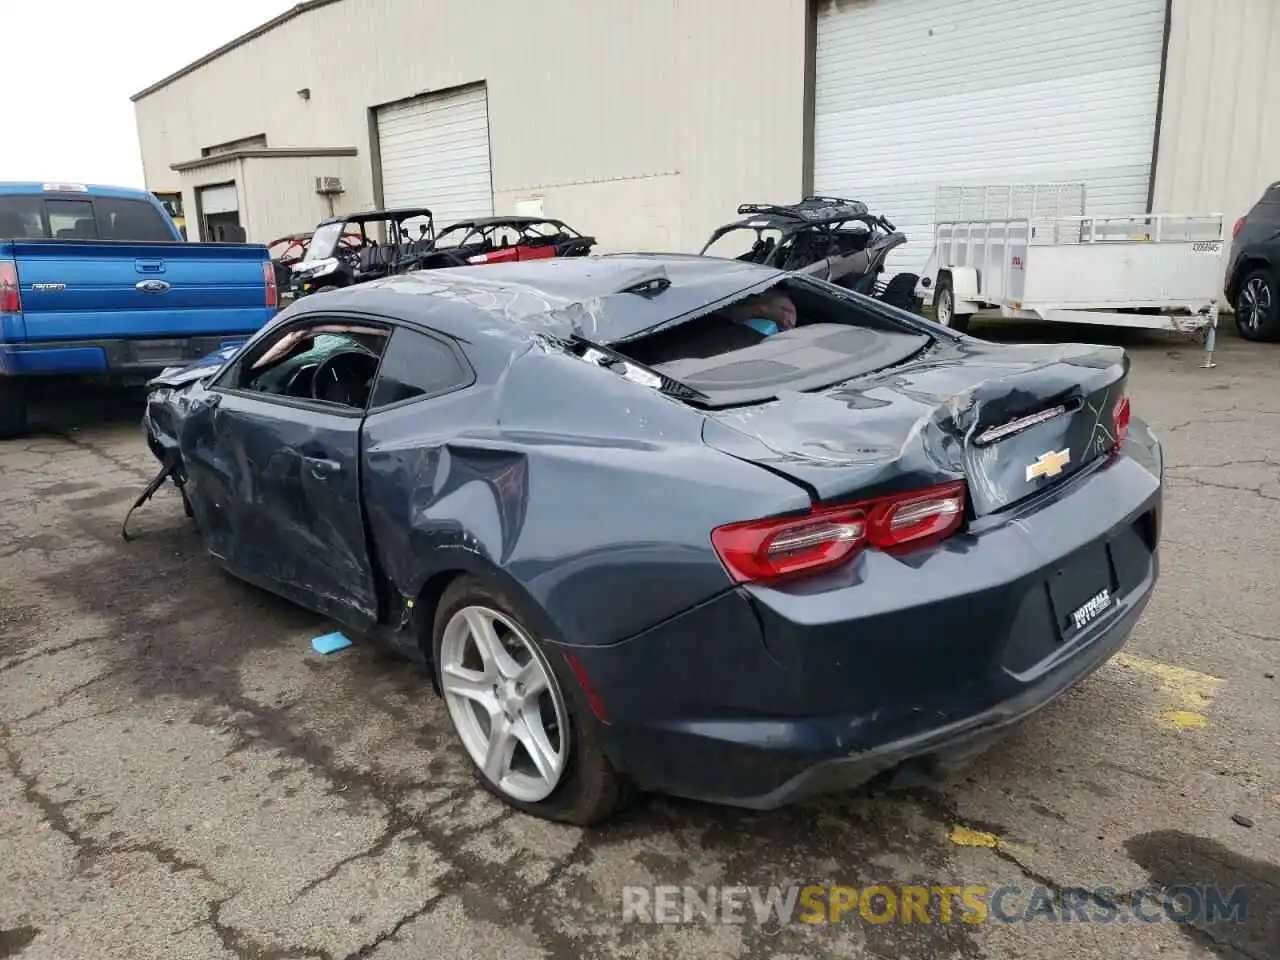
505 703
1256 300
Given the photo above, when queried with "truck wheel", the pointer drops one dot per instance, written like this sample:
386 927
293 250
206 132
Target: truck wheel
13 408
1258 306
944 307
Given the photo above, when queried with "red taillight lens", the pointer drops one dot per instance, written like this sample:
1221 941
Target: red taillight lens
828 536
1120 421
761 549
1237 227
10 298
269 278
918 518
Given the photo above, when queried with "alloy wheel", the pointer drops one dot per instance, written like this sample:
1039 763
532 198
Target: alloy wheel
505 703
1255 302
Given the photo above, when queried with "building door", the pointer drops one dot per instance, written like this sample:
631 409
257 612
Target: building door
915 94
434 152
220 214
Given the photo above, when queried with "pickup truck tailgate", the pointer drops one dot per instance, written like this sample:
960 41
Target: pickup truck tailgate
86 290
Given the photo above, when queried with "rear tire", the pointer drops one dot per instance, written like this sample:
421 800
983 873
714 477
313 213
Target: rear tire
13 408
586 789
1257 306
900 292
944 307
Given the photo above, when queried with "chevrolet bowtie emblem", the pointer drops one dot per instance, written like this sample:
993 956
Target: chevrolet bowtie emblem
1048 464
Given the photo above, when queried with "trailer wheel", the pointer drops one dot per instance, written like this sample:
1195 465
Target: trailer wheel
1258 306
13 408
944 306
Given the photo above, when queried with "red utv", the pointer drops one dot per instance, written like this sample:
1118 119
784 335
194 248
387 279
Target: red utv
503 240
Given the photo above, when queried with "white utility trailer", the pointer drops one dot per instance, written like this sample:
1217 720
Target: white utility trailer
1031 253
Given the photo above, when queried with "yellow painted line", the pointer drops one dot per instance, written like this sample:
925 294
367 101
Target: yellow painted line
1184 719
963 836
1188 693
966 837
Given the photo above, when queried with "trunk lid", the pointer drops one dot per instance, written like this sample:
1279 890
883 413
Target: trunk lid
1010 420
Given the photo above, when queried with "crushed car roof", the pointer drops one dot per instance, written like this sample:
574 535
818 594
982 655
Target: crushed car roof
603 298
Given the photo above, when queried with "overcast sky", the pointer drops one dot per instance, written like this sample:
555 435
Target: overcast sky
71 66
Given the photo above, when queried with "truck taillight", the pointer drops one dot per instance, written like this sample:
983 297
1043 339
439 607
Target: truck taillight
10 297
269 278
828 536
1238 226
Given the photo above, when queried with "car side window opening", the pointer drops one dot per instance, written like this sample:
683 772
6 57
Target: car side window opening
417 365
331 362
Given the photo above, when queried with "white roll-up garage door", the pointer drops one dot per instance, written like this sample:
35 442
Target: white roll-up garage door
219 199
435 152
915 94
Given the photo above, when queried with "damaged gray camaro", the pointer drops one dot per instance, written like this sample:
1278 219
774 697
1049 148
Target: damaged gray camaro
677 523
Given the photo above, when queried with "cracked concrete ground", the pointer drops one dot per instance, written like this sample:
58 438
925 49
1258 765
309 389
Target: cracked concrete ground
180 777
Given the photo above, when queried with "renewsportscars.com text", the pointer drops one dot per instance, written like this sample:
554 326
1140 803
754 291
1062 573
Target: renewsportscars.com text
971 903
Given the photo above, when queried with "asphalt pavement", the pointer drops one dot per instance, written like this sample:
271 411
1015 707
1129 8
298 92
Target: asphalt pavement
182 777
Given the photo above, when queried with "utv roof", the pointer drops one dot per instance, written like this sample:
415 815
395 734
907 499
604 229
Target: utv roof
402 213
602 298
481 222
810 210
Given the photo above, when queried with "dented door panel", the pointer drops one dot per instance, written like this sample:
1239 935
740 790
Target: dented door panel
277 487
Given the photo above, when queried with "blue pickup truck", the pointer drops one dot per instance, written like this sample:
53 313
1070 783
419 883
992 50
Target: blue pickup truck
98 281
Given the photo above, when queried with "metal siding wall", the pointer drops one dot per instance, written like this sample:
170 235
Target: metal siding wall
913 94
1220 126
644 122
280 194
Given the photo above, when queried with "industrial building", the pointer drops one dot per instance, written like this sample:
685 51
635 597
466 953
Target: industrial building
646 122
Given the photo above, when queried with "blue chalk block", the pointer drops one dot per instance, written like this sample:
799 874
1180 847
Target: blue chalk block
330 643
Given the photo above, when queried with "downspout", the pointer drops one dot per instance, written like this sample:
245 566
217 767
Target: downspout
1164 70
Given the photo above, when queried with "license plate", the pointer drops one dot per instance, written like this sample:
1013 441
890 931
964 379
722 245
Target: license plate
153 350
1095 607
1082 589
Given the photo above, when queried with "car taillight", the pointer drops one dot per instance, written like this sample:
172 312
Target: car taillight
10 297
1120 421
828 536
1237 227
269 278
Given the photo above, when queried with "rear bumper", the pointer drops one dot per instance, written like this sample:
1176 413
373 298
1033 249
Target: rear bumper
122 356
764 696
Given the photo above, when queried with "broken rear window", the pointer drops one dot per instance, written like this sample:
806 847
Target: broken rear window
793 336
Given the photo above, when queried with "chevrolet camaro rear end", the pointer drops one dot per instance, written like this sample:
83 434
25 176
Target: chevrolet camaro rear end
881 655
982 535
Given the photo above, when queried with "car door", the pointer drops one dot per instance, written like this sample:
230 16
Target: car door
275 471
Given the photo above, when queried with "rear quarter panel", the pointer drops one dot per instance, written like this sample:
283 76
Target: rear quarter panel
590 496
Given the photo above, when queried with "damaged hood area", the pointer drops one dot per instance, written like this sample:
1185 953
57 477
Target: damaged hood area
1010 420
201 369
